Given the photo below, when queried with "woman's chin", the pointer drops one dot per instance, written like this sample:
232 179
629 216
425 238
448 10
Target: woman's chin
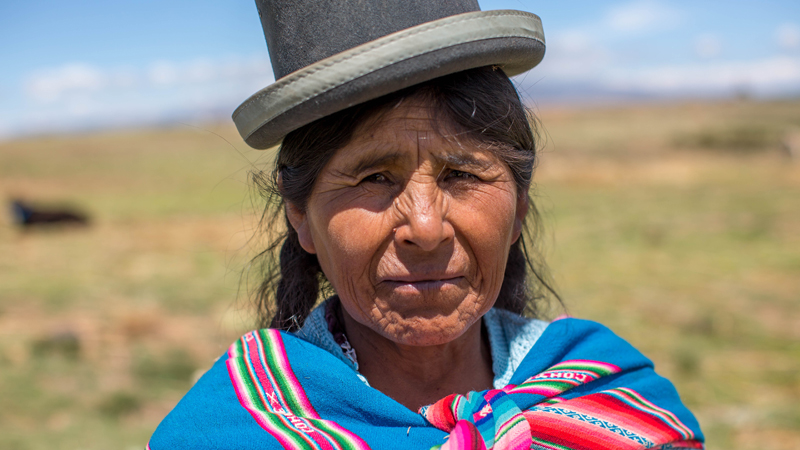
421 339
425 331
405 316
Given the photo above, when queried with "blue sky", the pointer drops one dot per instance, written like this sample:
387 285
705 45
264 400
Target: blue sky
93 64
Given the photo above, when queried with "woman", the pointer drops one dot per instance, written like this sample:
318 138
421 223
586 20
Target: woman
405 183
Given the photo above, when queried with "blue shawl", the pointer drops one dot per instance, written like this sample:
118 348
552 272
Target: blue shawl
579 387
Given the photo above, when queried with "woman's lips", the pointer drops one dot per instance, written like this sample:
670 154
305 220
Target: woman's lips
418 284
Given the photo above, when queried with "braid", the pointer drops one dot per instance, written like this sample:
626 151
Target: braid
298 287
513 293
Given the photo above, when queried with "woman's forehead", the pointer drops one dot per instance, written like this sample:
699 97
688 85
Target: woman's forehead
408 115
410 147
405 132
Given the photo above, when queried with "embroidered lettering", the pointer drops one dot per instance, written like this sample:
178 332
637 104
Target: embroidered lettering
566 375
298 422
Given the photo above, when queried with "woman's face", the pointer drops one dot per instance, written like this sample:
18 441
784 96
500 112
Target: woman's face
412 229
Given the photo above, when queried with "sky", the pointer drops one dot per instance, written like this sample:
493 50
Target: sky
95 64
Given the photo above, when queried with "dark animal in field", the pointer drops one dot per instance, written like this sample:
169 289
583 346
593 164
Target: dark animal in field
64 343
26 215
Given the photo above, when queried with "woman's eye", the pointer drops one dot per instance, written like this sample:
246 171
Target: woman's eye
376 178
460 175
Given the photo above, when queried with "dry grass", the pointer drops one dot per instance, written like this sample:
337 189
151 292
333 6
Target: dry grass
668 223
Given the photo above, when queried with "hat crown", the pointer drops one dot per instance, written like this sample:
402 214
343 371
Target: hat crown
302 32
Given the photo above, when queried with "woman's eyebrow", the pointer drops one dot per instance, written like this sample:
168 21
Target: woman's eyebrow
462 160
370 162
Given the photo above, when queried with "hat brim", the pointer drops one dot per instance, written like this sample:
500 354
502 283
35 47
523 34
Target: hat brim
512 40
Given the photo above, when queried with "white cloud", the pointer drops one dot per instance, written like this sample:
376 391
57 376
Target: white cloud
50 84
163 73
640 16
589 62
571 41
788 36
80 80
764 76
78 96
575 47
573 79
707 46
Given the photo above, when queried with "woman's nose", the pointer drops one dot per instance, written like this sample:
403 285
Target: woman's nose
425 213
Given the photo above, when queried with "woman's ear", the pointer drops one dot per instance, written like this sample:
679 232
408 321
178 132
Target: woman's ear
522 210
299 221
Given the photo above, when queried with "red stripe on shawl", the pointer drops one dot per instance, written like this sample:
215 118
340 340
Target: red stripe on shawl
440 414
575 434
634 419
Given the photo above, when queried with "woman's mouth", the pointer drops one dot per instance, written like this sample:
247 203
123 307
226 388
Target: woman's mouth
413 285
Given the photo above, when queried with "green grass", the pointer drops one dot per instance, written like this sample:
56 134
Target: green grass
682 243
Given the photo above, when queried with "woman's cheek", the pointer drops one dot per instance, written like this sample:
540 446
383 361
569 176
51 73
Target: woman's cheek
490 229
354 242
356 233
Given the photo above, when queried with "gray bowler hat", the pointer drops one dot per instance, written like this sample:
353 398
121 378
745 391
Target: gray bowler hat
328 55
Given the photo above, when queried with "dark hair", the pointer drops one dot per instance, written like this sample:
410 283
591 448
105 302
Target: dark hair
481 106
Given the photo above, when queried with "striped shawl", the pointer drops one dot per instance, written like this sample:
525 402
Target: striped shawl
579 387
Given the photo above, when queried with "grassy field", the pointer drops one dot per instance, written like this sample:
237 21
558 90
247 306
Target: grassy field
676 225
